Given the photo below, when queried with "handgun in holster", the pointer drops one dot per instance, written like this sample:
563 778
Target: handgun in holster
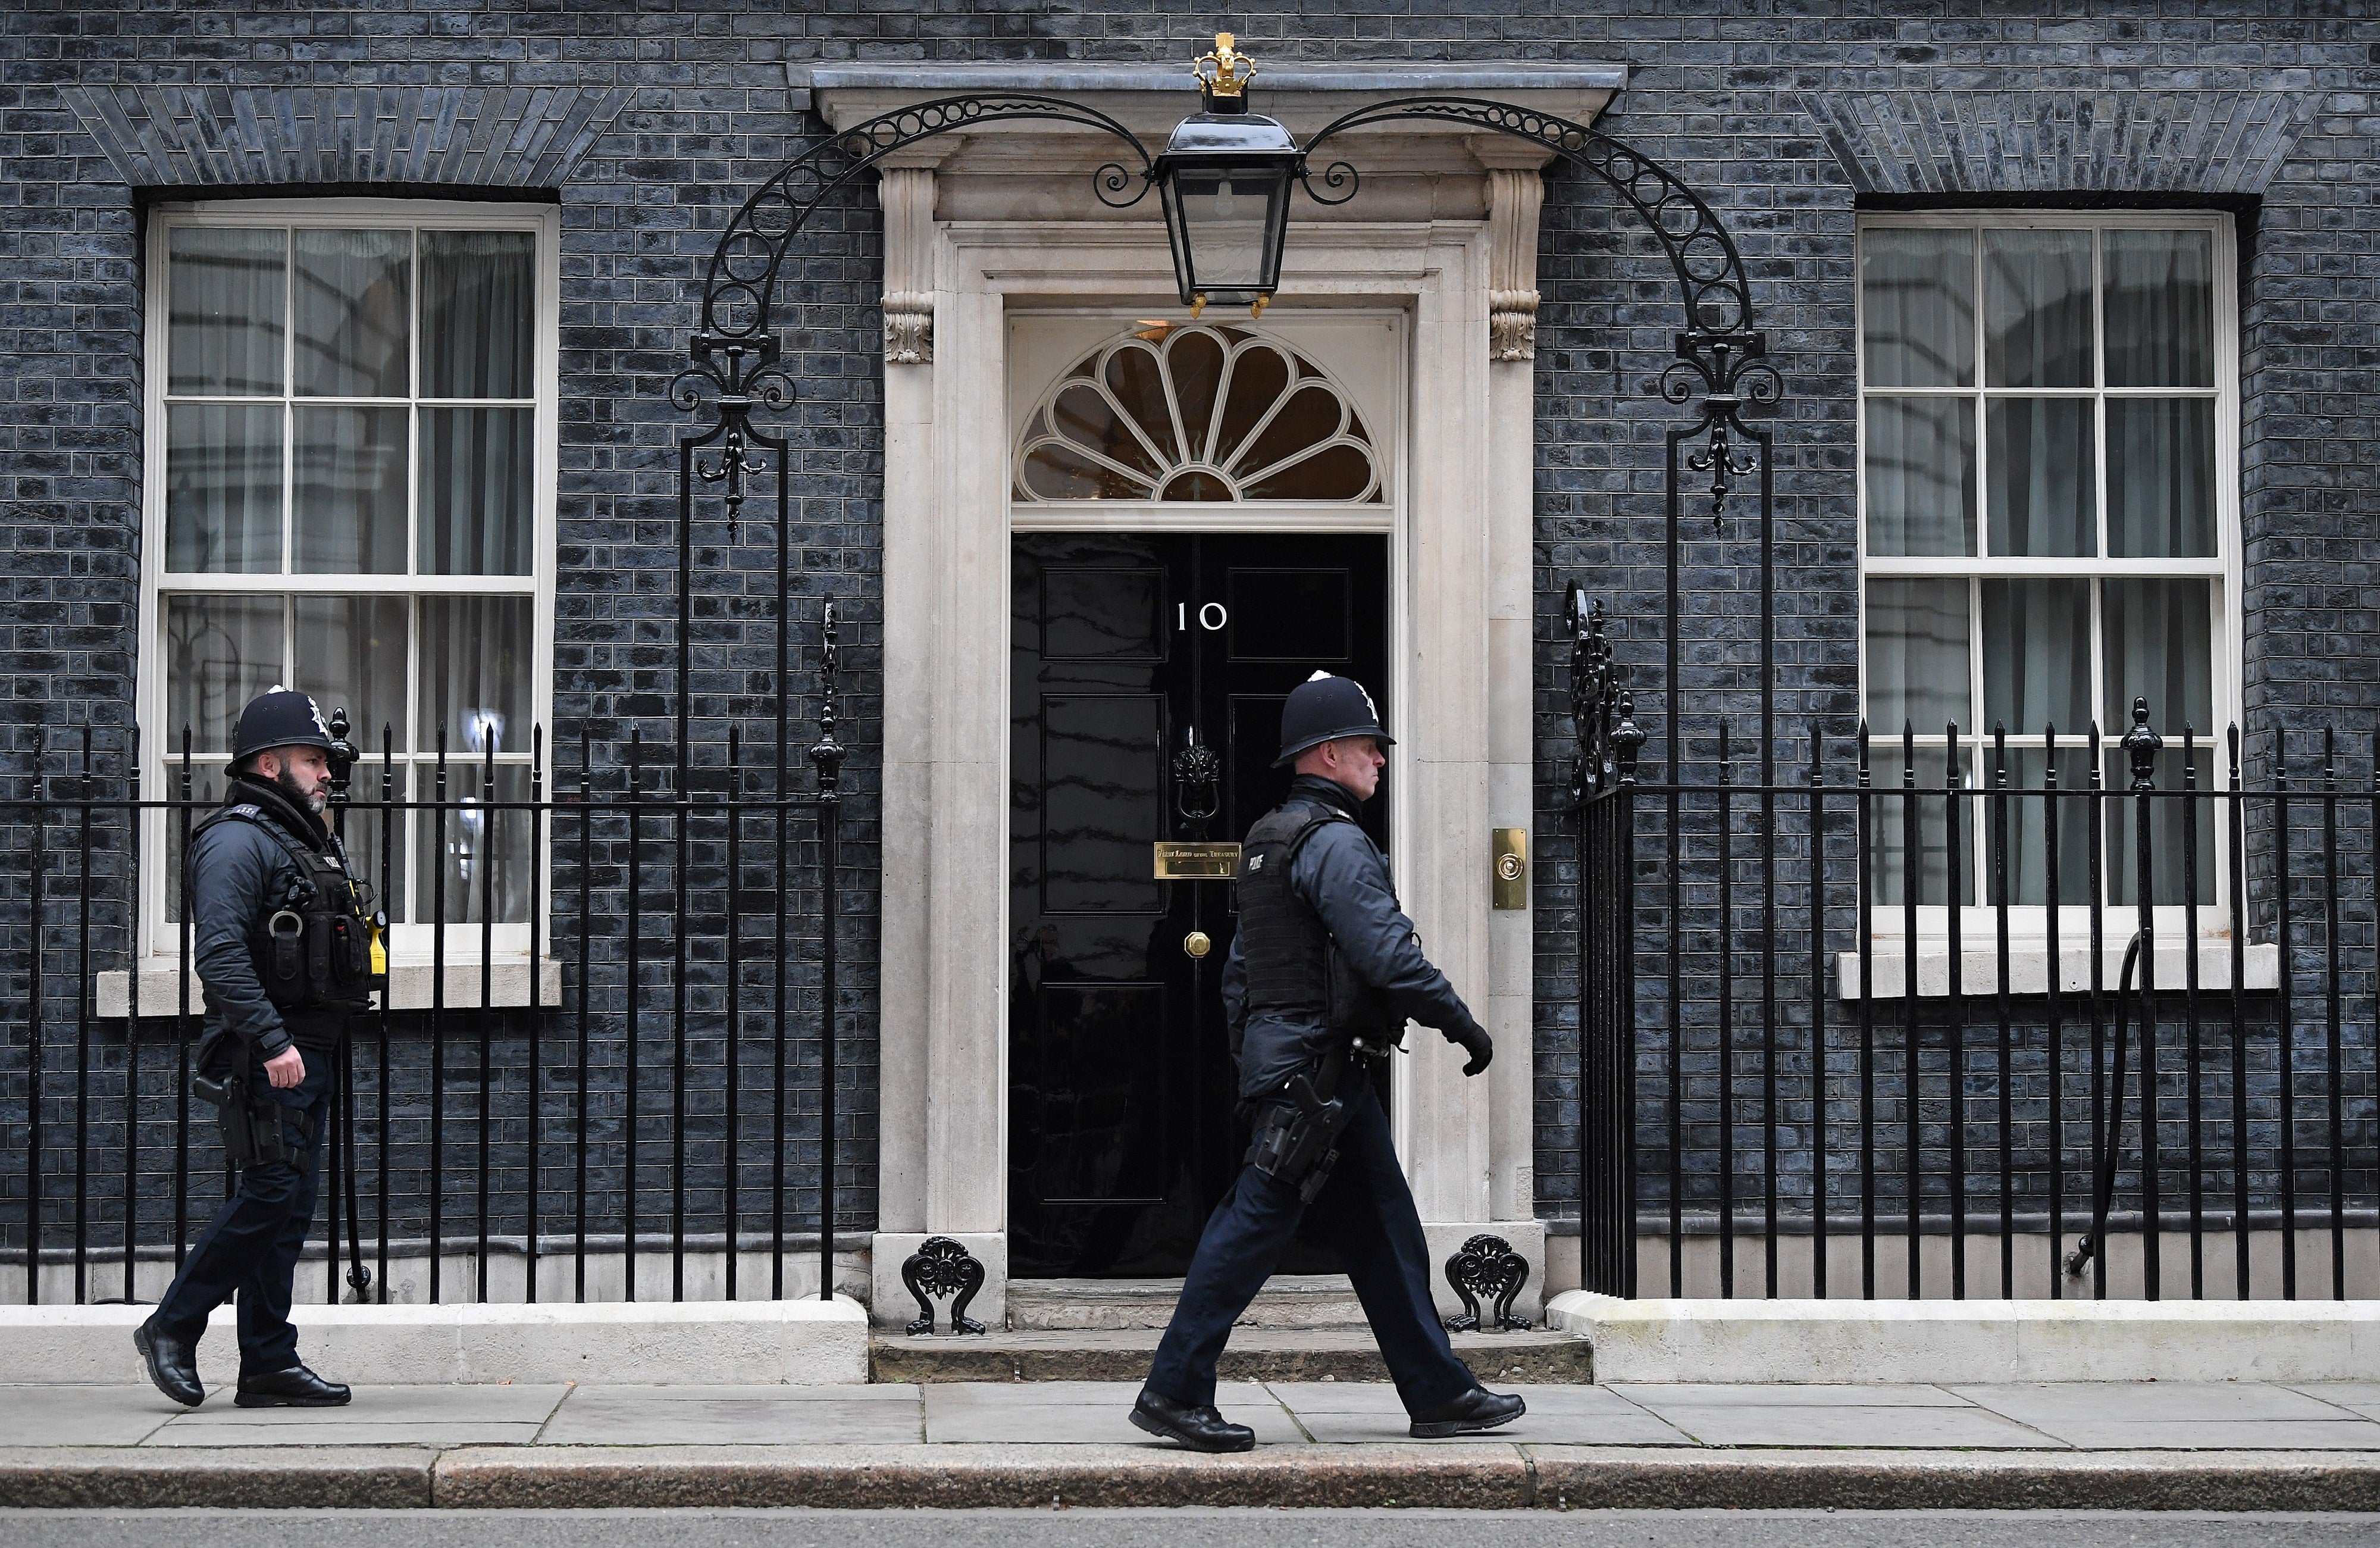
1297 1144
251 1128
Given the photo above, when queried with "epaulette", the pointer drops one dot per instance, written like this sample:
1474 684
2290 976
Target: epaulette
246 808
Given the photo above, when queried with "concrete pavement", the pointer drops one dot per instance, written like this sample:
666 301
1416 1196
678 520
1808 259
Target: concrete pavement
2230 1446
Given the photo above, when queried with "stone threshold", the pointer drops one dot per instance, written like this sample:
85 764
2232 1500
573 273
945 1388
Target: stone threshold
1254 1354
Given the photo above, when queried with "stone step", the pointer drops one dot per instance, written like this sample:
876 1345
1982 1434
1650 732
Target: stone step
1254 1353
1288 1300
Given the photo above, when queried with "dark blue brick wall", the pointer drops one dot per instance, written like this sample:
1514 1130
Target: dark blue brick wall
649 125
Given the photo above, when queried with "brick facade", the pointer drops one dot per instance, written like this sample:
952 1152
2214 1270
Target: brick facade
649 125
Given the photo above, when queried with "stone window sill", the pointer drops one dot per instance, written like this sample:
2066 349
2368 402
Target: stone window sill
409 986
2029 968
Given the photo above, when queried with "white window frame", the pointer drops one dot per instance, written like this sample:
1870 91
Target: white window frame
1978 923
410 942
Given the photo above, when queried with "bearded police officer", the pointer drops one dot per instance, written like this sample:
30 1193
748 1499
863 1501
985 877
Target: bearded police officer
286 947
1322 976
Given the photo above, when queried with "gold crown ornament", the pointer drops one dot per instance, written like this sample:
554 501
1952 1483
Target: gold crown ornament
1225 72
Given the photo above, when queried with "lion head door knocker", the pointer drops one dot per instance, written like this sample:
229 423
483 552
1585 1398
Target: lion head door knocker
1487 1266
1197 774
941 1267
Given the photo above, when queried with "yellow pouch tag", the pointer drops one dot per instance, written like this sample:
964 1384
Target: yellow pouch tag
379 953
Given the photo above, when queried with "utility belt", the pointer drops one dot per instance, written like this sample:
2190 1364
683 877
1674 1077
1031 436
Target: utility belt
1296 1141
252 1131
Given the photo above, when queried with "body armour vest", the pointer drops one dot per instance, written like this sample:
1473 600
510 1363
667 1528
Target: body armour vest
321 948
1293 967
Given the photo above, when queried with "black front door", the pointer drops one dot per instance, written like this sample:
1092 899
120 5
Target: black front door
1125 648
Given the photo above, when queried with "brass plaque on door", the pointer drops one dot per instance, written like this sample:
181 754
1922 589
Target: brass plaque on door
1196 862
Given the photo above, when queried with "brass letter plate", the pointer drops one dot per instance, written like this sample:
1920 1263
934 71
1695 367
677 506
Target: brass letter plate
1196 862
1512 873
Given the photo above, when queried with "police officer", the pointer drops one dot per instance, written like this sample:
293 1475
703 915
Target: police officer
285 949
1322 976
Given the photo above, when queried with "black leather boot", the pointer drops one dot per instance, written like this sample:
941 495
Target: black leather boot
172 1364
1476 1410
294 1388
1200 1429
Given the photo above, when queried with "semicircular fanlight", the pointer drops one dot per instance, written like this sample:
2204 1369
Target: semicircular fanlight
1195 414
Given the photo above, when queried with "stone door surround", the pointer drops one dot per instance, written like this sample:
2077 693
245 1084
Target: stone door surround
982 225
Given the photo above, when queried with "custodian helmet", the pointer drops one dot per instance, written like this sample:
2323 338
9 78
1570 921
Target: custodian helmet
281 717
1324 708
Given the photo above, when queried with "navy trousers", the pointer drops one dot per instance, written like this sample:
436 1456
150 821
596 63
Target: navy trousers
250 1248
1369 1214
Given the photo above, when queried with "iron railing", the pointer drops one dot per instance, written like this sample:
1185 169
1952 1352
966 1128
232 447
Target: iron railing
1767 1110
675 1139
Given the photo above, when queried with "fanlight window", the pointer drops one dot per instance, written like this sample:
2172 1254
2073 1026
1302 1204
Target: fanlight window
1196 413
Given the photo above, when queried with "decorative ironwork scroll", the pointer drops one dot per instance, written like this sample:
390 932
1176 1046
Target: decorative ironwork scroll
1487 1266
737 367
1720 357
942 1267
1602 714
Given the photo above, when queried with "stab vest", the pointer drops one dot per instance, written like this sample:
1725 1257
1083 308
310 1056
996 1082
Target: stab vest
318 948
1292 965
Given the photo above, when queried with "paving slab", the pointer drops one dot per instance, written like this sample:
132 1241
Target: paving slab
733 1416
2148 1402
31 1416
1764 1394
2356 1397
1054 1413
494 1404
1347 1413
1839 1421
433 1435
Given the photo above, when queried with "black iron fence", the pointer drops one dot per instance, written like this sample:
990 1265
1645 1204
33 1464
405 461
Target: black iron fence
638 1098
2042 1015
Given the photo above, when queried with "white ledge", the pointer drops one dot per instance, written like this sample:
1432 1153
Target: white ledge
409 986
2029 968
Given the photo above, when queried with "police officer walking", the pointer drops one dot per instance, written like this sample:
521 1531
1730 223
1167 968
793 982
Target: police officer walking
1324 973
286 950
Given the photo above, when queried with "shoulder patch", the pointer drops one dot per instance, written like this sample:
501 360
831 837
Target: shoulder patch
246 808
1256 862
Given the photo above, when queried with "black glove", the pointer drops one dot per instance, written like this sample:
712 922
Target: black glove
1474 1040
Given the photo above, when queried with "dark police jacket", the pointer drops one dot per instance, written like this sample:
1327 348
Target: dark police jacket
239 875
1343 876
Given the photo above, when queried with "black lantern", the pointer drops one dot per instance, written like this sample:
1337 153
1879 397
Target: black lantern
1224 177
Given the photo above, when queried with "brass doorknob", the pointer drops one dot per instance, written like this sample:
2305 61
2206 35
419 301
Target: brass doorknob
1197 944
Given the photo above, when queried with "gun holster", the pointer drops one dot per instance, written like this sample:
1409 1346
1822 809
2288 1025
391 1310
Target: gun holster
1295 1141
252 1131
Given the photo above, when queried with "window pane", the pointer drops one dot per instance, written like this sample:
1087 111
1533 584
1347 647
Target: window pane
1916 655
220 653
2158 648
2160 308
475 674
1921 475
207 781
478 849
2037 309
2041 477
229 292
2028 826
1917 307
1928 813
479 314
2169 882
2036 656
351 654
2161 476
352 292
349 476
223 489
477 467
370 832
